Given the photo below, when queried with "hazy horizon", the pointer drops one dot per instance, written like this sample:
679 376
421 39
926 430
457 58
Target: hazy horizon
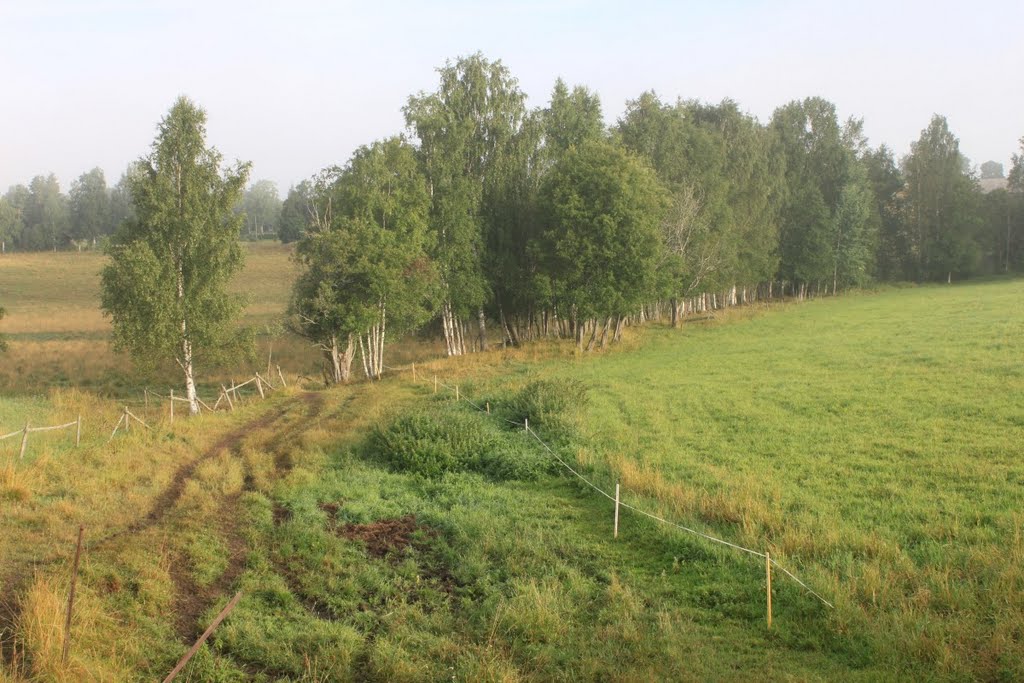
297 88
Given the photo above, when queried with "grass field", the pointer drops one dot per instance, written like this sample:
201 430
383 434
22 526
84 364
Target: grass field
873 443
59 337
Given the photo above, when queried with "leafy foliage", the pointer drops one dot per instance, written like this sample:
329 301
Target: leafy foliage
164 287
436 442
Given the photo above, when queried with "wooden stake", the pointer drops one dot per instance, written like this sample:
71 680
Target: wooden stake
24 441
172 406
616 534
71 598
768 573
202 639
119 421
456 392
526 424
78 436
488 407
230 404
259 385
281 375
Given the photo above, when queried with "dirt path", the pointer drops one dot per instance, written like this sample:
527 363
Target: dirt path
191 601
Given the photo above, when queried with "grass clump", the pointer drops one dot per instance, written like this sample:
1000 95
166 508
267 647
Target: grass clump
548 404
432 443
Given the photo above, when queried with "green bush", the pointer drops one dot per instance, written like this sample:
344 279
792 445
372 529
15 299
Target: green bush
547 403
434 443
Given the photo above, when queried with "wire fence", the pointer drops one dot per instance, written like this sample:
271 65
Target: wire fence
617 500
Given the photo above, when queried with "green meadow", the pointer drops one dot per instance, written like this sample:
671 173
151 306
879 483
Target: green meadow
872 443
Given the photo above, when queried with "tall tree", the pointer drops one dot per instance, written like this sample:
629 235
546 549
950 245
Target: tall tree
262 208
165 284
886 181
89 203
601 209
10 223
121 199
295 213
45 215
819 154
464 129
365 271
992 169
942 204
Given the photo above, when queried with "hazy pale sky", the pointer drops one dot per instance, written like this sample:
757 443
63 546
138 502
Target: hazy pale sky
295 86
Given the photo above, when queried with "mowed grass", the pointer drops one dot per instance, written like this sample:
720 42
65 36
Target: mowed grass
875 444
59 337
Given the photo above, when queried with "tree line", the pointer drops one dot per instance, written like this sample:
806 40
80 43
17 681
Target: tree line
40 217
545 222
485 219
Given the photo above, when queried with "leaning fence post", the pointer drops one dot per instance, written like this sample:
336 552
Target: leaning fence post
259 385
230 404
616 534
24 441
71 598
202 639
78 435
768 573
281 375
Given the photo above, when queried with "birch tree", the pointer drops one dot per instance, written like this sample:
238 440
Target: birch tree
165 285
464 129
365 270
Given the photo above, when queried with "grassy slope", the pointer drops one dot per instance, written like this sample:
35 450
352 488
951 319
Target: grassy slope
873 443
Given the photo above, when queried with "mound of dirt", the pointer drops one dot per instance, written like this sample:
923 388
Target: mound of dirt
385 535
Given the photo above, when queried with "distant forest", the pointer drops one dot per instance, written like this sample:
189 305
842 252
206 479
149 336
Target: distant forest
802 198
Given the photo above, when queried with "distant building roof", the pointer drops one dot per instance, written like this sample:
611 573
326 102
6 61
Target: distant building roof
989 184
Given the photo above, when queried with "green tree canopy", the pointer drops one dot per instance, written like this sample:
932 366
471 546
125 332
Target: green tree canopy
89 203
365 266
165 285
601 209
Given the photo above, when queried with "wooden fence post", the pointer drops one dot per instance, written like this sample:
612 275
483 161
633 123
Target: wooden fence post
24 441
230 404
456 392
259 385
202 639
488 407
145 394
78 435
616 534
71 598
281 375
768 572
172 406
526 424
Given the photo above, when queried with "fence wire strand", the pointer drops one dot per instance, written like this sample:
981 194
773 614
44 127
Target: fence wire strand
640 511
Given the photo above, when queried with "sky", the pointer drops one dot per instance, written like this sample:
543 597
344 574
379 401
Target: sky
296 86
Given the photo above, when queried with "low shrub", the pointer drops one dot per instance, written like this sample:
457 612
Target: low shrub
433 443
